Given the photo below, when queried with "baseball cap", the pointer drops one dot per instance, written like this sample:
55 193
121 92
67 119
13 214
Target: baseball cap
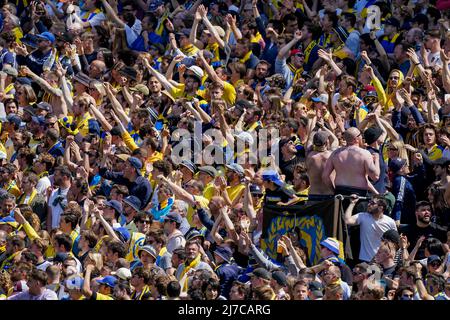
136 163
225 253
272 176
123 156
173 216
396 164
369 88
210 170
188 164
110 281
133 202
316 288
372 134
82 78
185 32
46 36
149 249
261 273
245 136
295 52
236 168
122 273
74 283
219 30
193 233
391 236
320 138
124 233
39 120
23 80
198 72
14 118
280 277
44 106
128 72
433 258
322 98
331 244
140 88
116 205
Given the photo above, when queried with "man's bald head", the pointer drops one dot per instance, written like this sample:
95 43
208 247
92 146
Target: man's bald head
351 135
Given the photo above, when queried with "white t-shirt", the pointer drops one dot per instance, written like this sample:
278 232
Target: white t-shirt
370 233
57 210
133 32
25 295
43 185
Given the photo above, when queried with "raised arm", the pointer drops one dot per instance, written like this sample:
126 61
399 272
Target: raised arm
41 82
193 35
445 71
116 104
112 14
204 14
348 218
284 51
165 83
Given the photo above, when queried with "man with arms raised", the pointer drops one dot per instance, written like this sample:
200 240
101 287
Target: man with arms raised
353 165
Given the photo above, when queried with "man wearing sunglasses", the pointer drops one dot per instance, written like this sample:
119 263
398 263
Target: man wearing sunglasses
373 224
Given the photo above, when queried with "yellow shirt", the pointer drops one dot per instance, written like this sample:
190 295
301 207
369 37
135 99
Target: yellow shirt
155 157
229 93
235 191
100 296
208 191
190 212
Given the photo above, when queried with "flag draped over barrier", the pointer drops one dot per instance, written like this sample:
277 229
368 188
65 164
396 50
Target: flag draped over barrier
315 221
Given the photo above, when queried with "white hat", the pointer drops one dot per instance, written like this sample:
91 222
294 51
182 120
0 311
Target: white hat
198 72
245 136
219 30
122 273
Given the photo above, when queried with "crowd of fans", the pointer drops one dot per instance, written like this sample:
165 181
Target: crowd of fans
341 97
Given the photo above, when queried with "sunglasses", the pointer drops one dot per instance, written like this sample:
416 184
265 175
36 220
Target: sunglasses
145 221
394 78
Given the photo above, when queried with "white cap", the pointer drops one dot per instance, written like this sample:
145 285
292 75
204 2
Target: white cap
245 136
122 273
197 71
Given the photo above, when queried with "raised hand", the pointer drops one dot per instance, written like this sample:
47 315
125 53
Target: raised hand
412 56
298 35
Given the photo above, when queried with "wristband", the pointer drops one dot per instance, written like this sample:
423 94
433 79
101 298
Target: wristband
416 64
418 278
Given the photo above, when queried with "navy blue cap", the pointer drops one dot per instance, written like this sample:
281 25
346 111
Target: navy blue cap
134 202
23 80
136 163
124 233
110 281
60 257
225 253
193 233
39 120
396 164
14 118
173 216
116 205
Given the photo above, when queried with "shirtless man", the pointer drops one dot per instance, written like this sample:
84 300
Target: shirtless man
316 158
353 165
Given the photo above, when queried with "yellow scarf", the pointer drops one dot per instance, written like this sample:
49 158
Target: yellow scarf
30 200
193 264
246 57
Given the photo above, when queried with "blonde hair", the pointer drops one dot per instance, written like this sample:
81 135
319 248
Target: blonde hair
97 259
400 146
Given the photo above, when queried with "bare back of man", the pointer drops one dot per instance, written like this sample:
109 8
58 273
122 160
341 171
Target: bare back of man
352 164
315 164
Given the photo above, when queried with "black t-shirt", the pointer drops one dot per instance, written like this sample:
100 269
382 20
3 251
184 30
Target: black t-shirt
413 233
279 194
288 167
